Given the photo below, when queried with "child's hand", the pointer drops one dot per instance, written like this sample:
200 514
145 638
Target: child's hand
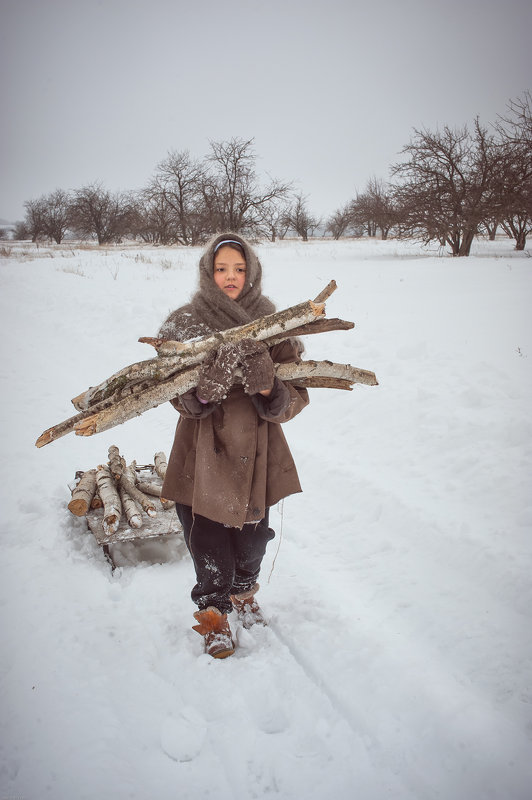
217 373
258 371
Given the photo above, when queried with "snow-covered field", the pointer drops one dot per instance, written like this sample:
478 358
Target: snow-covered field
397 662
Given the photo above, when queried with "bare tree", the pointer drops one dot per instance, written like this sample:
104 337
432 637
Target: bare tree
515 179
340 222
48 216
383 202
232 196
154 220
516 194
175 195
447 185
272 219
96 212
375 209
516 126
518 226
363 213
34 219
57 214
490 225
21 231
300 219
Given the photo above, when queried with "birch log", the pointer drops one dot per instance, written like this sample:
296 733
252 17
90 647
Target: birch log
154 489
62 428
161 465
96 501
115 462
112 507
151 488
175 356
321 325
147 387
131 510
327 292
170 347
111 415
318 371
127 483
67 426
83 494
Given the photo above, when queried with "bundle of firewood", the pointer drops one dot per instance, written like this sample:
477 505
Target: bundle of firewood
175 370
115 486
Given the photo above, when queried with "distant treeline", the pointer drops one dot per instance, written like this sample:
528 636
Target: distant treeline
450 186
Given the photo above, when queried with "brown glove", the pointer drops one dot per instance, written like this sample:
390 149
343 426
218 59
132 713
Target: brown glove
217 373
258 372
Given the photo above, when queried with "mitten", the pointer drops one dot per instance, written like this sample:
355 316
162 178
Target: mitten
217 373
258 372
192 405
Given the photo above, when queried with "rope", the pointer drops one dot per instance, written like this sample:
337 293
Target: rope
280 508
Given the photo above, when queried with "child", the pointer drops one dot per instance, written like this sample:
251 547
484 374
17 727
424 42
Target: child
230 461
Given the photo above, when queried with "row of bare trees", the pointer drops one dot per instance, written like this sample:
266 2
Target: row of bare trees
186 200
450 186
90 212
453 185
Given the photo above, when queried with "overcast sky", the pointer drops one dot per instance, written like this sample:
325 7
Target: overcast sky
101 90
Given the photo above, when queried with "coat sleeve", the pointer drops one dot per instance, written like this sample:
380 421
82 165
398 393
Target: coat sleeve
182 326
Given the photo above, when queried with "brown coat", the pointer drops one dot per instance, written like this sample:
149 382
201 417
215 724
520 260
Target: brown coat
231 465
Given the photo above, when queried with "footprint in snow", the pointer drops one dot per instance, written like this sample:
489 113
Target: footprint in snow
183 737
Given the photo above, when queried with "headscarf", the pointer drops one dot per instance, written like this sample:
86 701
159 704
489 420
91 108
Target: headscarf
213 306
210 308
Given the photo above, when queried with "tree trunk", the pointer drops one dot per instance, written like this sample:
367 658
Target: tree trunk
520 241
467 241
491 228
454 242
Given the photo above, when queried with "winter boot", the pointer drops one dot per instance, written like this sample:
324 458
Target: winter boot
214 628
247 608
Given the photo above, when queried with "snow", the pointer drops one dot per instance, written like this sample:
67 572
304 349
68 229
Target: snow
397 659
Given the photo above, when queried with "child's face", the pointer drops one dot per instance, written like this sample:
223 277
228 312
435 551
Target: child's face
229 271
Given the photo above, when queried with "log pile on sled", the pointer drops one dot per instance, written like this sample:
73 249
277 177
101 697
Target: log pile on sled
175 369
116 488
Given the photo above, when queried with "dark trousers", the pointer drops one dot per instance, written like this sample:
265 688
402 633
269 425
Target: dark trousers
227 560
